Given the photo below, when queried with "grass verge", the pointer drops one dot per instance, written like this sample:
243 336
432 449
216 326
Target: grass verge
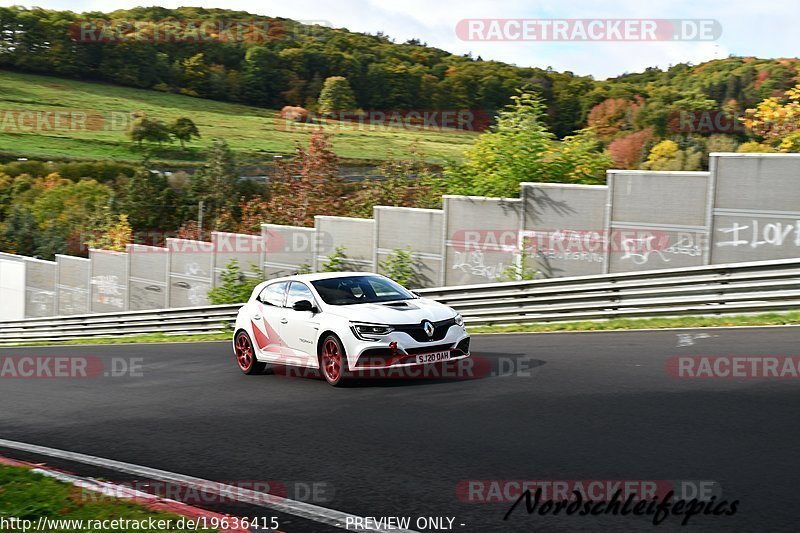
157 338
621 324
766 319
27 495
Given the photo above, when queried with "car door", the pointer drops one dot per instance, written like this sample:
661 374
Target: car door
266 321
301 328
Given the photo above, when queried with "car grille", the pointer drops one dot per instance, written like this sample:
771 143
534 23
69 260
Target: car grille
418 333
376 357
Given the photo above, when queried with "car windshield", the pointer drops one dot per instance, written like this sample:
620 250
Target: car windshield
360 290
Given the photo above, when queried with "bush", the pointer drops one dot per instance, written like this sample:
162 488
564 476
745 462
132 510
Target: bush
521 271
337 261
402 267
235 286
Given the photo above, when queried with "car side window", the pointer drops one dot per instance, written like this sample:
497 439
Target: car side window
273 294
299 291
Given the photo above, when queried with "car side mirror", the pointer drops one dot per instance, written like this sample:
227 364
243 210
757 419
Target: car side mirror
303 305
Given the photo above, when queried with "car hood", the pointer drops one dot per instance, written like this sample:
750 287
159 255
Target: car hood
402 312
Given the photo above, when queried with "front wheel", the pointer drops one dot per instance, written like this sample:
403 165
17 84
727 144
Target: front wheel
333 361
246 355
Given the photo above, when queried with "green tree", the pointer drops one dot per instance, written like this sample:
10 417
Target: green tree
520 148
144 128
216 183
149 201
20 232
184 130
51 240
336 95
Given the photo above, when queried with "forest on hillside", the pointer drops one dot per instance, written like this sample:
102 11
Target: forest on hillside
283 62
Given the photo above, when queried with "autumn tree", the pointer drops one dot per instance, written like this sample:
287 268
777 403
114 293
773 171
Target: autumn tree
404 182
114 233
668 156
614 115
627 152
777 120
301 187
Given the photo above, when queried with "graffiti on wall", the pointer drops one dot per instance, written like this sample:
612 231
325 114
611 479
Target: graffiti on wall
756 234
108 290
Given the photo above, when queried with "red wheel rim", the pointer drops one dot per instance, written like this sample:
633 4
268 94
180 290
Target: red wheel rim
244 352
331 360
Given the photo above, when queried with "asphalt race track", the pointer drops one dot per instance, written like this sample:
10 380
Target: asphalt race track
591 406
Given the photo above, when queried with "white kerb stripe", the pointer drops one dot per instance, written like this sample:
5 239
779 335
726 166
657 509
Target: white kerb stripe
305 510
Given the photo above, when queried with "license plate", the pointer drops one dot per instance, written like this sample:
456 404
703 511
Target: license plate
433 357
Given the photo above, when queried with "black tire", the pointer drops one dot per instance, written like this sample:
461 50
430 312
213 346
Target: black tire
245 355
333 362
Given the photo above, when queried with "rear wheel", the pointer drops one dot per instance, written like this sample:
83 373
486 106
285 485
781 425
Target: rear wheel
333 361
245 355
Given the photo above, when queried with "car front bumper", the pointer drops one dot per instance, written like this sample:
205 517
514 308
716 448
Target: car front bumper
399 349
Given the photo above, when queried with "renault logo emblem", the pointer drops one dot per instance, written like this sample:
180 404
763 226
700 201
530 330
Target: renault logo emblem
428 327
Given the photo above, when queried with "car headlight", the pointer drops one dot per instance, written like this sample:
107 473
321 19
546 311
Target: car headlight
459 320
371 331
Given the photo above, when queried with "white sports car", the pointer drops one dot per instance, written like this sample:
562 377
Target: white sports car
343 323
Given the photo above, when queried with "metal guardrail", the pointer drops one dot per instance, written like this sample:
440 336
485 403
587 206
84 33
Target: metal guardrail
177 321
706 290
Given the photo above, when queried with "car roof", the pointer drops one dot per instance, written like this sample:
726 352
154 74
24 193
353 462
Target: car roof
321 275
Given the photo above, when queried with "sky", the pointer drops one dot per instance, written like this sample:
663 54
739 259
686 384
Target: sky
749 27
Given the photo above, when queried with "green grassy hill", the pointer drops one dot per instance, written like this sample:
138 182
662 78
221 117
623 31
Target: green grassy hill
256 134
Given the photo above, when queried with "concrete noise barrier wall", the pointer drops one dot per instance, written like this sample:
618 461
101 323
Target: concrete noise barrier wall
191 271
657 220
12 289
288 249
149 271
109 281
417 230
354 235
565 228
40 288
74 283
756 213
247 250
481 238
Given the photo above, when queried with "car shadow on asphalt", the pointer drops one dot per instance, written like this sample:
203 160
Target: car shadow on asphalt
486 365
